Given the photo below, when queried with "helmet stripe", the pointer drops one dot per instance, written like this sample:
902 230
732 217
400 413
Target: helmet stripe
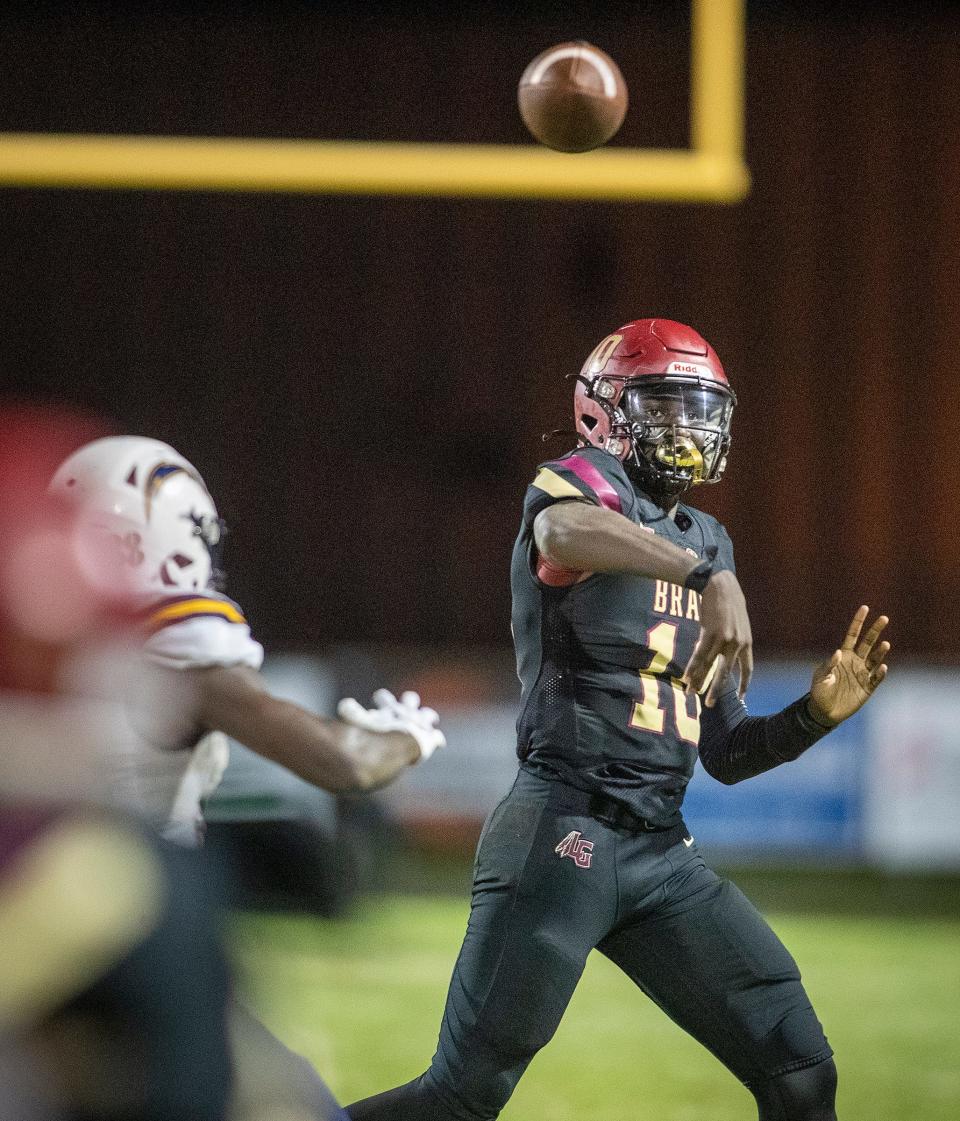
158 477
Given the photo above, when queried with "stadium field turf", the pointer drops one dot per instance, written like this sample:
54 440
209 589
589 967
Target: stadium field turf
362 998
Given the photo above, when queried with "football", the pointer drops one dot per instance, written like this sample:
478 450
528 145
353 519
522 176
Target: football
572 97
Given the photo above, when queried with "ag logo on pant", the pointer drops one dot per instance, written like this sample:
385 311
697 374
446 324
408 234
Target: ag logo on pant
574 846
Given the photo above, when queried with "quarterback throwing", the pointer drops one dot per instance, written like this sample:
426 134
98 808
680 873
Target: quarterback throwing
630 630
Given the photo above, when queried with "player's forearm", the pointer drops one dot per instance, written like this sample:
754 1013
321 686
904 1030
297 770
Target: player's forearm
586 538
735 746
327 753
377 757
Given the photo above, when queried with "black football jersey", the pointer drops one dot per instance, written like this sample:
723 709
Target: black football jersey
599 661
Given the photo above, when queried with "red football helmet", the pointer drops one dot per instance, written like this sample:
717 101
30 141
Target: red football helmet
654 394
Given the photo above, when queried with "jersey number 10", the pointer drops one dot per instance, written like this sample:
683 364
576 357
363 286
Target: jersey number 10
648 713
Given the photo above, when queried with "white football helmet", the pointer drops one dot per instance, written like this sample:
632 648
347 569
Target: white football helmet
154 506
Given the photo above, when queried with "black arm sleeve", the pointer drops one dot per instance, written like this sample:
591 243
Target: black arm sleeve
735 746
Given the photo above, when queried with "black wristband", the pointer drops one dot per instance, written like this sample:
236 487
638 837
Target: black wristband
697 578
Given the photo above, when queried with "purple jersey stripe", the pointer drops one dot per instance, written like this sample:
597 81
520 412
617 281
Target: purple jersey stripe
587 473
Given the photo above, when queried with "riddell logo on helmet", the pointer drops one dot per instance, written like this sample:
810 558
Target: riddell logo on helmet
688 368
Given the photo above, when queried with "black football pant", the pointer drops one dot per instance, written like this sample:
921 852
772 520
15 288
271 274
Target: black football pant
691 941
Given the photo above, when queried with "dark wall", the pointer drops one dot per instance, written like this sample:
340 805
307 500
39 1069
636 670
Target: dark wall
364 381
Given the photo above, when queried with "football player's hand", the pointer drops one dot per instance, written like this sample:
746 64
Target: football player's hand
846 680
725 639
392 715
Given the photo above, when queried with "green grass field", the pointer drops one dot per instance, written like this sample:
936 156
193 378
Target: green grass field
362 999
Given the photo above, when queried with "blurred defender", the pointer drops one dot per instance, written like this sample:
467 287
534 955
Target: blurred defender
155 506
626 610
202 685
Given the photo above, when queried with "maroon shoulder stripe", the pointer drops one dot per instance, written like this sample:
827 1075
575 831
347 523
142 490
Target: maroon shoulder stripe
587 473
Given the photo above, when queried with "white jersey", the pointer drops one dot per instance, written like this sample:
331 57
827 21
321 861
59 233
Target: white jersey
166 778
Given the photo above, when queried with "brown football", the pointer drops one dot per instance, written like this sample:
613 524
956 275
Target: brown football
572 97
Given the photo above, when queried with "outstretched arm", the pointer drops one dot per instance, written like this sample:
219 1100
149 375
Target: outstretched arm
577 535
735 746
336 756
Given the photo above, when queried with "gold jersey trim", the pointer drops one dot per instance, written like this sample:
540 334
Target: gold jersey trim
193 608
552 484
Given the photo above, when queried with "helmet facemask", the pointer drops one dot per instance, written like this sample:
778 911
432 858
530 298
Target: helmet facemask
211 529
183 532
679 432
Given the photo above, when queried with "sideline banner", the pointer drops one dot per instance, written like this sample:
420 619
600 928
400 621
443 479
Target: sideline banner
912 795
814 805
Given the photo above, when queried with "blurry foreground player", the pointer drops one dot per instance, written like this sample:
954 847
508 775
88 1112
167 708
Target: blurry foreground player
624 602
113 977
200 684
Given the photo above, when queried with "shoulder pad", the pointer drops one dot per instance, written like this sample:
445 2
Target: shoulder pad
194 631
589 473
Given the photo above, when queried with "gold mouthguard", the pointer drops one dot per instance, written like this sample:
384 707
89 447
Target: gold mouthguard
682 453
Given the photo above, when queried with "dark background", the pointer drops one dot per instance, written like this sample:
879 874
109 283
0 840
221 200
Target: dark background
364 381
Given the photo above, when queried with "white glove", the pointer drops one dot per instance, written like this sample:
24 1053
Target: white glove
392 715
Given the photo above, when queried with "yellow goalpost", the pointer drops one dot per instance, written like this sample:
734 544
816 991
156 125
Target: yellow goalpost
712 169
